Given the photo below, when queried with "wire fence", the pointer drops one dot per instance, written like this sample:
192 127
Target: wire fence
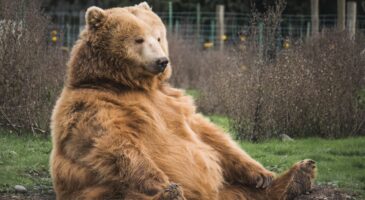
67 25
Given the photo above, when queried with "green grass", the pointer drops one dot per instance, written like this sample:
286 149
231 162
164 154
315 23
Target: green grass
341 162
221 121
194 93
23 161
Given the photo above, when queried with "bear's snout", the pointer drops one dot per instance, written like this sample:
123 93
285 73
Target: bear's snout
161 64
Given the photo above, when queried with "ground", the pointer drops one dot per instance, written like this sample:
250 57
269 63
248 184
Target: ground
341 164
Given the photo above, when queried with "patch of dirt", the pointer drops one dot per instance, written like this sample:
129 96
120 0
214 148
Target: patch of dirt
328 193
318 193
27 196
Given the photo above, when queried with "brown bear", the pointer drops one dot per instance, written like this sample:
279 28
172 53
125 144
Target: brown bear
120 131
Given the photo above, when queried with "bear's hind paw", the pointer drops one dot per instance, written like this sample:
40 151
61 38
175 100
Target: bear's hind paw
172 192
303 177
307 166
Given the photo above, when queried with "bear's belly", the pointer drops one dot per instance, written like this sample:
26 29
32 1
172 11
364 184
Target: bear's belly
189 162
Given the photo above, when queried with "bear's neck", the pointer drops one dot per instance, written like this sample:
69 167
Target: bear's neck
90 68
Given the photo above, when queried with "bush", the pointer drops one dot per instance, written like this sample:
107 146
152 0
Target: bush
314 88
311 89
31 71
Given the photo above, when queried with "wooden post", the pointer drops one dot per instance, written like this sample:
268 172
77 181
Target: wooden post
220 26
341 14
279 40
170 17
176 27
68 32
308 30
261 39
81 20
315 16
212 31
198 17
351 18
302 24
290 29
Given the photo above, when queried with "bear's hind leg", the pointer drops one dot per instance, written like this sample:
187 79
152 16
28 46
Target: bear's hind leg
298 180
230 192
171 192
93 193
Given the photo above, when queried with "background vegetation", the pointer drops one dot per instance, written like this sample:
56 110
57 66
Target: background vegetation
24 160
254 90
31 70
240 6
313 88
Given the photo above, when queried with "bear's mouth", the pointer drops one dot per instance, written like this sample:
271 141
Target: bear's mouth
153 70
158 66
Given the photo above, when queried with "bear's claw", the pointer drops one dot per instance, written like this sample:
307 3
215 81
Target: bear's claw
172 192
264 181
307 166
263 178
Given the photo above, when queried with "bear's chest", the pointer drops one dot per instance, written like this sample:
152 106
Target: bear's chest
188 161
181 154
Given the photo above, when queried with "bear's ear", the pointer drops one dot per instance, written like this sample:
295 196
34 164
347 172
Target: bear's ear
95 17
144 5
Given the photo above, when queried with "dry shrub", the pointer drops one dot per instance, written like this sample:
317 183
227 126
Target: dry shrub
31 71
192 65
311 89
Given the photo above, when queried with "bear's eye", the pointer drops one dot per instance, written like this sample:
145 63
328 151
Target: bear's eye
139 40
158 39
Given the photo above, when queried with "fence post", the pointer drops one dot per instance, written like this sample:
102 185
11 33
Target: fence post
302 24
170 16
351 18
341 13
198 19
220 26
308 30
176 27
261 39
315 16
212 31
290 29
68 31
279 40
81 20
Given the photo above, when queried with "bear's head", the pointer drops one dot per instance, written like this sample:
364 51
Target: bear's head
121 47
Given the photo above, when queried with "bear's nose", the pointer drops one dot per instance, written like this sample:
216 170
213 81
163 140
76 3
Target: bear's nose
161 63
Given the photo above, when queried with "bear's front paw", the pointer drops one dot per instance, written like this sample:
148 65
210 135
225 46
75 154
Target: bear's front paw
172 192
261 178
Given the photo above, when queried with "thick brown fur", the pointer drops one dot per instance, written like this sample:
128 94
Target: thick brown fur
121 132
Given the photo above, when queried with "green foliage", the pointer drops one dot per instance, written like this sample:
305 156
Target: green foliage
222 121
361 98
24 160
340 162
194 93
